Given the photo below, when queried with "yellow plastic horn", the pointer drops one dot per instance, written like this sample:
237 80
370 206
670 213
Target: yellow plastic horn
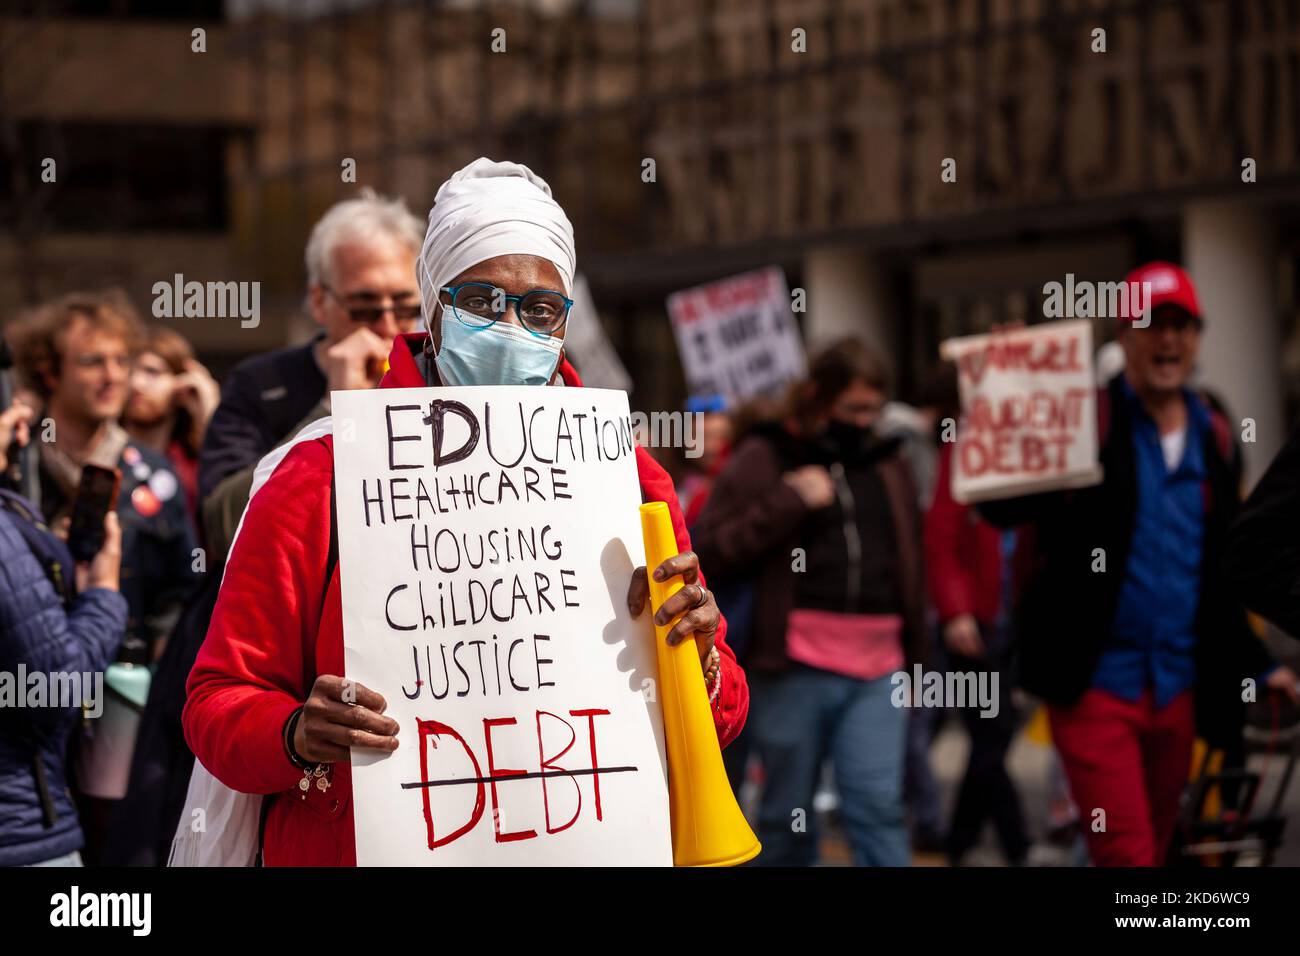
707 826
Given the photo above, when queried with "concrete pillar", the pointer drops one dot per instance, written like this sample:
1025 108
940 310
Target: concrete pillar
1229 248
847 295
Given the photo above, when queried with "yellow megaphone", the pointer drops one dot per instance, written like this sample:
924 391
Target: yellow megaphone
707 826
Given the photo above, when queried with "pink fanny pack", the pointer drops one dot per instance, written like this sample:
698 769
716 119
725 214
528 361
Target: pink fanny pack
865 646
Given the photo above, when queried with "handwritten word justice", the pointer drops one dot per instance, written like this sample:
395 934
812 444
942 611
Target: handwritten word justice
502 664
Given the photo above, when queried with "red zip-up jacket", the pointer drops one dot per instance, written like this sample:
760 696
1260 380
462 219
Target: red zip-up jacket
270 638
963 553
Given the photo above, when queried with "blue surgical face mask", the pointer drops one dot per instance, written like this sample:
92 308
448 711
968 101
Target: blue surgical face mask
497 354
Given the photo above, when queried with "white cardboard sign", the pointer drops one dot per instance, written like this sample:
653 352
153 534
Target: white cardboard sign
1029 411
737 337
487 537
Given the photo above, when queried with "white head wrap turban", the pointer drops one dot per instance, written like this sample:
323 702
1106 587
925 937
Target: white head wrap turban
492 209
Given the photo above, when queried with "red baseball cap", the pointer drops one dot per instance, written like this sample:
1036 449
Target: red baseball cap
1170 285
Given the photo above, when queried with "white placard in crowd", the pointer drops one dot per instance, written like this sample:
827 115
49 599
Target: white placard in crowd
487 537
1029 411
738 337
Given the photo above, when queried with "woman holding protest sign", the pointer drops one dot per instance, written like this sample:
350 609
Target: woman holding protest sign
268 710
823 515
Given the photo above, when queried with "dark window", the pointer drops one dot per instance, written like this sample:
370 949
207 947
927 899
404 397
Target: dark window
138 9
116 178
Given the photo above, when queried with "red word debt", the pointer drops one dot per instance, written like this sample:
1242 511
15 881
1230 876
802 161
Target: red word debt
489 782
1009 453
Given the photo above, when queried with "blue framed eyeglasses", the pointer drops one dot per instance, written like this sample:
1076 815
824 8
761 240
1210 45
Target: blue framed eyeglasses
480 304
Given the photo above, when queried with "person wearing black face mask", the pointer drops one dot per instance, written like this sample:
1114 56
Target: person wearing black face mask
822 514
846 441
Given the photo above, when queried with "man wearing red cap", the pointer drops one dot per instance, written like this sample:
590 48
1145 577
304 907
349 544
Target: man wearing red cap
1129 631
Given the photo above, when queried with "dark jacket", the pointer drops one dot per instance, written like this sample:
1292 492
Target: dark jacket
263 401
158 541
263 398
40 633
1067 609
1263 560
754 521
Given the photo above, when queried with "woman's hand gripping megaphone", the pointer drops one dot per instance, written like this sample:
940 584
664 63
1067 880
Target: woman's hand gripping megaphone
694 602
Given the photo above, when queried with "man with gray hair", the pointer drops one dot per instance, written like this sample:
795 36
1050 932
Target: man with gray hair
362 292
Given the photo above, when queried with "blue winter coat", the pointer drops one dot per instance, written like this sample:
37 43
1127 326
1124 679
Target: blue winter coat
39 633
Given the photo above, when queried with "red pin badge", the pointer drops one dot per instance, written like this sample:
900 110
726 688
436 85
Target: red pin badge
145 501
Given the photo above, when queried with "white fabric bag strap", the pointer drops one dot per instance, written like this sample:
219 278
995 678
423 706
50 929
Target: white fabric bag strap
221 826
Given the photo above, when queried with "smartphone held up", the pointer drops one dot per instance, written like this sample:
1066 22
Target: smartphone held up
96 497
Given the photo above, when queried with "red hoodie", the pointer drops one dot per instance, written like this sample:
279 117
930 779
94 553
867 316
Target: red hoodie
963 554
270 638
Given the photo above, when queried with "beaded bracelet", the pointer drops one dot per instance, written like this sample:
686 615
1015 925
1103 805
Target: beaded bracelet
712 664
713 674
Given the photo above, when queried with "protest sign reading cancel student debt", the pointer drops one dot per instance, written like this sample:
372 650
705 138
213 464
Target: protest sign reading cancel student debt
487 537
1029 420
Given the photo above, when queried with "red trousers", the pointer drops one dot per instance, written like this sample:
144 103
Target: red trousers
1130 760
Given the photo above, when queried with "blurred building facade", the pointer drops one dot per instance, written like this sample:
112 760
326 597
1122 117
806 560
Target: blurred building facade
806 133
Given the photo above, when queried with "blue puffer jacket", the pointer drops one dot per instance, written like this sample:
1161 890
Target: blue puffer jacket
37 632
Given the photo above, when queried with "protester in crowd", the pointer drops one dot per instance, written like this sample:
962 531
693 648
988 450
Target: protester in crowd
76 353
266 700
919 428
361 291
970 569
714 434
1128 628
56 619
170 403
1263 564
1263 553
823 515
922 431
